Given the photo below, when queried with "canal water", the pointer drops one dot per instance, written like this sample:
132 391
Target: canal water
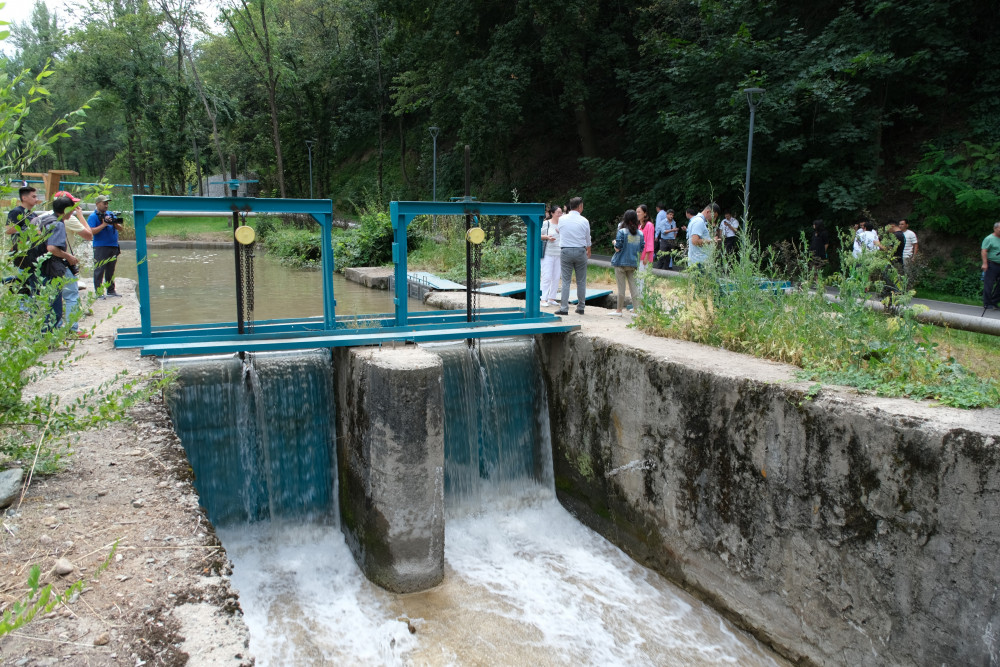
192 285
525 583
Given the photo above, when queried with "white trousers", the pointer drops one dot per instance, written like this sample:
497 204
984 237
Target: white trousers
550 277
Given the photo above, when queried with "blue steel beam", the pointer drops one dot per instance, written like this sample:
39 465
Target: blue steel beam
373 338
455 325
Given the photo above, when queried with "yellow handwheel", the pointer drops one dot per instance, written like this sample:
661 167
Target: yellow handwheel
245 234
475 235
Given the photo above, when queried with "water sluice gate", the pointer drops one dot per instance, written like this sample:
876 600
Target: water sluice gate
376 440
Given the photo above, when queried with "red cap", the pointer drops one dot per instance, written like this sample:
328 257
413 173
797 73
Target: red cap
63 193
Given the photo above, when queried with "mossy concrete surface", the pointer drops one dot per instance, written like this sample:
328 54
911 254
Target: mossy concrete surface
390 462
841 529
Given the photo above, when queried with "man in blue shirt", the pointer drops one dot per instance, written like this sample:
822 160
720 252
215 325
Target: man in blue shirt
666 235
699 237
105 227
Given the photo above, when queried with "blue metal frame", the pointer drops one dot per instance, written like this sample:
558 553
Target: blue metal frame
147 207
403 213
331 331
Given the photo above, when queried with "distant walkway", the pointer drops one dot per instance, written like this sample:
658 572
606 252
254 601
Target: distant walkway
941 313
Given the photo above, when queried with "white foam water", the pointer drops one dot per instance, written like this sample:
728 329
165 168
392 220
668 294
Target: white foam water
525 583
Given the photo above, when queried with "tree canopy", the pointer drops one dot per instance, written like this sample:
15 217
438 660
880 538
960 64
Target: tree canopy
884 106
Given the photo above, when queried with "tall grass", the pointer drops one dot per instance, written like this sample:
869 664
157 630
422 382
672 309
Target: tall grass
842 342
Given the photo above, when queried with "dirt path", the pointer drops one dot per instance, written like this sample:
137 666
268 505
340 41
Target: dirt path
165 595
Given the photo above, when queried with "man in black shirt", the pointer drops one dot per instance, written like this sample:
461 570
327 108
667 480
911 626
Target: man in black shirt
20 216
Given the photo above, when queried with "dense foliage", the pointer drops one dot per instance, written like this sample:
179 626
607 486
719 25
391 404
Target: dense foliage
839 341
621 101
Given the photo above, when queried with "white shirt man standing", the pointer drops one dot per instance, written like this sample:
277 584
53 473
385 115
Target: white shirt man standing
699 237
910 249
574 243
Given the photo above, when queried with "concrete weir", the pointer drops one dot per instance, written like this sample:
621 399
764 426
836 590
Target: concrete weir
841 529
390 462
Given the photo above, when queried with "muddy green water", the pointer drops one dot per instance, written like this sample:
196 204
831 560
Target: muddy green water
196 285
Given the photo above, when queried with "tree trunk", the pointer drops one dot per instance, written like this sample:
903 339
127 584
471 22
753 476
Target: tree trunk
276 136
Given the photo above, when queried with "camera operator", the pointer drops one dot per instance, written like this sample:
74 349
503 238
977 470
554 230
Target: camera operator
105 226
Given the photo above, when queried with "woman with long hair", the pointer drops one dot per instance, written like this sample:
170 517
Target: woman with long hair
648 234
550 256
628 244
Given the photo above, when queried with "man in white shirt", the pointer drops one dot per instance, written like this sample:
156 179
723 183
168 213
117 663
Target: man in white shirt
910 249
574 244
699 237
727 231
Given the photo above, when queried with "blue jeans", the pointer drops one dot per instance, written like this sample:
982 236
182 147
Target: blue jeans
70 298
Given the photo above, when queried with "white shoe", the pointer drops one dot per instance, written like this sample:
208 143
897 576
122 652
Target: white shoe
614 313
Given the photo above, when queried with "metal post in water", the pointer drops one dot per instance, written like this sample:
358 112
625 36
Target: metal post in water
236 248
468 244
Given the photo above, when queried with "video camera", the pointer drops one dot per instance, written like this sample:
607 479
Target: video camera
112 217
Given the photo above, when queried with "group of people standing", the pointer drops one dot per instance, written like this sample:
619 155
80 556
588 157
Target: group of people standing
639 242
51 256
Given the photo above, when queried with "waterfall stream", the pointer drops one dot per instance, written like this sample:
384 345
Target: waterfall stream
525 583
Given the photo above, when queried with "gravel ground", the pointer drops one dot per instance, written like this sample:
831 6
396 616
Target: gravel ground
165 597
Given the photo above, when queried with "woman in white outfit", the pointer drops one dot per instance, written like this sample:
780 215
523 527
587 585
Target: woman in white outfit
550 259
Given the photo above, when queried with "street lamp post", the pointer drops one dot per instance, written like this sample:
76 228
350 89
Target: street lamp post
309 146
434 130
754 96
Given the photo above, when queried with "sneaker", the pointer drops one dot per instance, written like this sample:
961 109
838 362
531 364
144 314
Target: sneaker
562 312
554 304
102 297
614 313
114 294
579 311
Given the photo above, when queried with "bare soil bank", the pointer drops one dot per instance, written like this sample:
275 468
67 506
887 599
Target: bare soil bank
165 598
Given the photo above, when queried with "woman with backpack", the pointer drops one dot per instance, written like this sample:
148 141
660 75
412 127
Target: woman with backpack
629 242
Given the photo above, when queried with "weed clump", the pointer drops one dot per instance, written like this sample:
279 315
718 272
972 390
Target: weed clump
758 303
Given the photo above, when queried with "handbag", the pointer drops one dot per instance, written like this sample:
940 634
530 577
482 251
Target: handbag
546 241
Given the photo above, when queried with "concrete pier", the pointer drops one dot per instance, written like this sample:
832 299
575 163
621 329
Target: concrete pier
390 462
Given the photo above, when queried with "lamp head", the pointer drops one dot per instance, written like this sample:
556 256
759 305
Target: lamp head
754 96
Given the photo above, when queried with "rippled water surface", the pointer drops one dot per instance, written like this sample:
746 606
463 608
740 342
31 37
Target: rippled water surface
192 286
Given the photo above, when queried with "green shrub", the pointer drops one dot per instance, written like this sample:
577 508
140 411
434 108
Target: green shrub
958 189
843 342
960 275
295 247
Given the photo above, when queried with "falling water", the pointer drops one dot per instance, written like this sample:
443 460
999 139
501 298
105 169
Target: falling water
525 583
496 422
259 434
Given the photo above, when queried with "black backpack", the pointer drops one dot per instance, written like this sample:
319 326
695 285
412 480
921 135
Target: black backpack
52 267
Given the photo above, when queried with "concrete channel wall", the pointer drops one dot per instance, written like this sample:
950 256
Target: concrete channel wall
840 529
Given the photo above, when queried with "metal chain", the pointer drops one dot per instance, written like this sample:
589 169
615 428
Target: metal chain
246 269
477 265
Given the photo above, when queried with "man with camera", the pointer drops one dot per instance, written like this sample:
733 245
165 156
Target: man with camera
105 225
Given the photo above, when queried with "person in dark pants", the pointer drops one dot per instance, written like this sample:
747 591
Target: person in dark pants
991 269
105 227
574 242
